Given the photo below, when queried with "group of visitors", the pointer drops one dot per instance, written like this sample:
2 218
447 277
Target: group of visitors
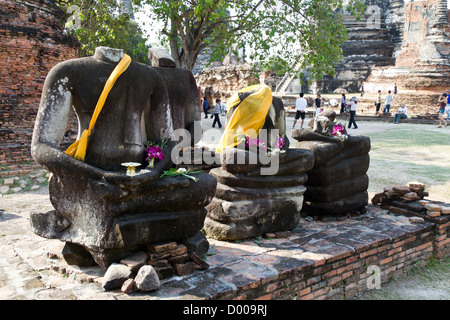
219 108
388 98
351 106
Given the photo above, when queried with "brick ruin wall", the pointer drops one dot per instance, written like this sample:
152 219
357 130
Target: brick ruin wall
32 41
421 69
221 80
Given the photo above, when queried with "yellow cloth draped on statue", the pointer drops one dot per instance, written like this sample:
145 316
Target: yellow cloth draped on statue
78 148
249 114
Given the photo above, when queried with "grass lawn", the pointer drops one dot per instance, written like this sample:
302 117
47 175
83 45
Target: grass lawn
404 153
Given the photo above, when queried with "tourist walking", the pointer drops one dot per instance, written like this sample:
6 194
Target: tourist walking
378 103
223 108
353 106
343 103
402 113
442 105
395 88
318 102
205 106
216 113
362 90
300 104
387 102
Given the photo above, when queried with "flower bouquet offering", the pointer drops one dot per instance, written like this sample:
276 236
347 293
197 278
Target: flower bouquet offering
251 142
154 151
339 130
172 172
279 144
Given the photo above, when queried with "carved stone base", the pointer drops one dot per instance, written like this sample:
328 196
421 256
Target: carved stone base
113 227
247 206
338 182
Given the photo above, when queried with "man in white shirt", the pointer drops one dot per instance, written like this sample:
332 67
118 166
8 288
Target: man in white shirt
387 102
300 104
223 108
401 114
353 106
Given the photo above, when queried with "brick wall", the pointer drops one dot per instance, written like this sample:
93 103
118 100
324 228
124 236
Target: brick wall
31 43
347 274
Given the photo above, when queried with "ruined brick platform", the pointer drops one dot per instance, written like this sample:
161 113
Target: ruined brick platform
318 260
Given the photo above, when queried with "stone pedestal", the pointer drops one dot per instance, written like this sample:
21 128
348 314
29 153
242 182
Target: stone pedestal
338 182
114 223
248 204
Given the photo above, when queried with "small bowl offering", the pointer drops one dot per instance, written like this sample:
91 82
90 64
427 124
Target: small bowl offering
131 167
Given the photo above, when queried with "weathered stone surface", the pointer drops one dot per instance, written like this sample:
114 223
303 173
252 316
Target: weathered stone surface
416 220
162 247
182 269
406 44
111 213
128 286
377 198
135 261
433 213
401 190
254 212
249 202
77 255
147 279
198 260
340 206
115 276
338 182
338 190
221 80
328 153
160 57
433 207
179 250
164 272
197 244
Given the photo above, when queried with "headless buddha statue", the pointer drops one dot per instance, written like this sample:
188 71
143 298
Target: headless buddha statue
97 205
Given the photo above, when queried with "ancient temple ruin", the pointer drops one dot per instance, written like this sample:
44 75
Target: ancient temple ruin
397 42
32 41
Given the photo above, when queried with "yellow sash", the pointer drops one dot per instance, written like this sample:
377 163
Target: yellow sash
249 116
78 148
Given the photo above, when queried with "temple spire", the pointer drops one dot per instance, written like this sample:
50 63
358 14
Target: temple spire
441 17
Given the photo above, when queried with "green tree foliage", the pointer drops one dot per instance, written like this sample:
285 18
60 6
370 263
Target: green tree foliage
101 23
275 32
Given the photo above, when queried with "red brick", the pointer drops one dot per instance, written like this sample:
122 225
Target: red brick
393 251
321 291
367 253
305 291
387 260
307 297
